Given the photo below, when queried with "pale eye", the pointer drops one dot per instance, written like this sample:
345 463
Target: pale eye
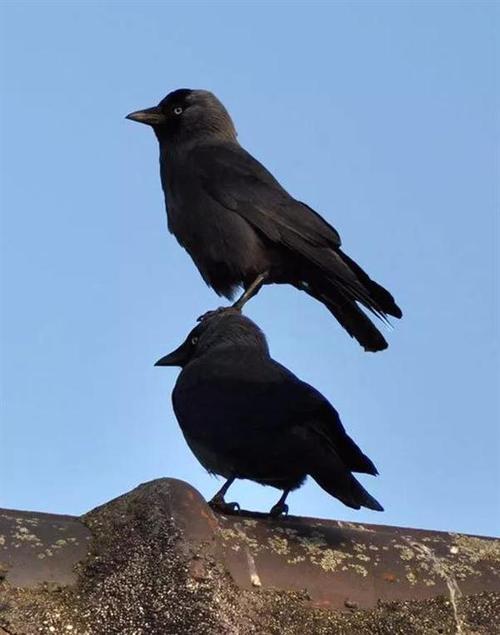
194 341
177 110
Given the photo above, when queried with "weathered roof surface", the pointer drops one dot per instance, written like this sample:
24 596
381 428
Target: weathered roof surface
158 561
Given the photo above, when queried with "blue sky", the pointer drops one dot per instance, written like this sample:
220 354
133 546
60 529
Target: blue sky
382 116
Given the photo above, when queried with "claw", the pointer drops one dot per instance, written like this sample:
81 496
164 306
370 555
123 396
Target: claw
218 504
221 309
279 510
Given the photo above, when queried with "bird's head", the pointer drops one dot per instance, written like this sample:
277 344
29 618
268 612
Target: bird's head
218 332
186 115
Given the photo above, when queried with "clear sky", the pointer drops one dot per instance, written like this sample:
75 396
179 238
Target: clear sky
382 116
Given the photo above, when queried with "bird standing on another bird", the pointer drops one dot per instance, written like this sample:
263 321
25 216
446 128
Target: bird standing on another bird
241 228
245 416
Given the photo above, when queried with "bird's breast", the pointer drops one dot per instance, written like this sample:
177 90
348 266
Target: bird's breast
226 249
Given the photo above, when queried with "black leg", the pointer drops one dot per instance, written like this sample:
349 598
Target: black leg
252 290
219 504
281 508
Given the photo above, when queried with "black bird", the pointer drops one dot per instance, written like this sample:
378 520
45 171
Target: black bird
241 228
245 416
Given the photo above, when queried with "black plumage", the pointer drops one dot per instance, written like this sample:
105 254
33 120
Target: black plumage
242 228
246 416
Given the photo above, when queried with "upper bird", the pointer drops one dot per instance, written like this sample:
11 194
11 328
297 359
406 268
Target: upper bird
246 416
241 228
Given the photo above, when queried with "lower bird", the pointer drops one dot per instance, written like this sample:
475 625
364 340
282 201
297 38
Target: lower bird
245 416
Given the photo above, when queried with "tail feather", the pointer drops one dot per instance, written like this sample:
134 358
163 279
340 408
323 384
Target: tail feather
350 316
347 489
381 297
332 474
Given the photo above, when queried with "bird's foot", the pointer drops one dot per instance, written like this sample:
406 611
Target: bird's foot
221 309
218 504
280 509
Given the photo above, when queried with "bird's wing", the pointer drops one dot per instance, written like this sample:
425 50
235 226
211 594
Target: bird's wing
238 182
232 179
322 421
263 393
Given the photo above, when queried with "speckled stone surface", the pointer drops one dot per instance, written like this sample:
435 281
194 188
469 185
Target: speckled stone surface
157 561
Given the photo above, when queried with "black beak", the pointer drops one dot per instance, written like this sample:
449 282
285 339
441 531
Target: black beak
150 116
179 357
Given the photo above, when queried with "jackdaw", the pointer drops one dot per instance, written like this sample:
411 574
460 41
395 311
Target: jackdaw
245 416
241 228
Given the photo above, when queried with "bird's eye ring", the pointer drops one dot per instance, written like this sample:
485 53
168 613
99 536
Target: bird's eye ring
194 341
177 110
